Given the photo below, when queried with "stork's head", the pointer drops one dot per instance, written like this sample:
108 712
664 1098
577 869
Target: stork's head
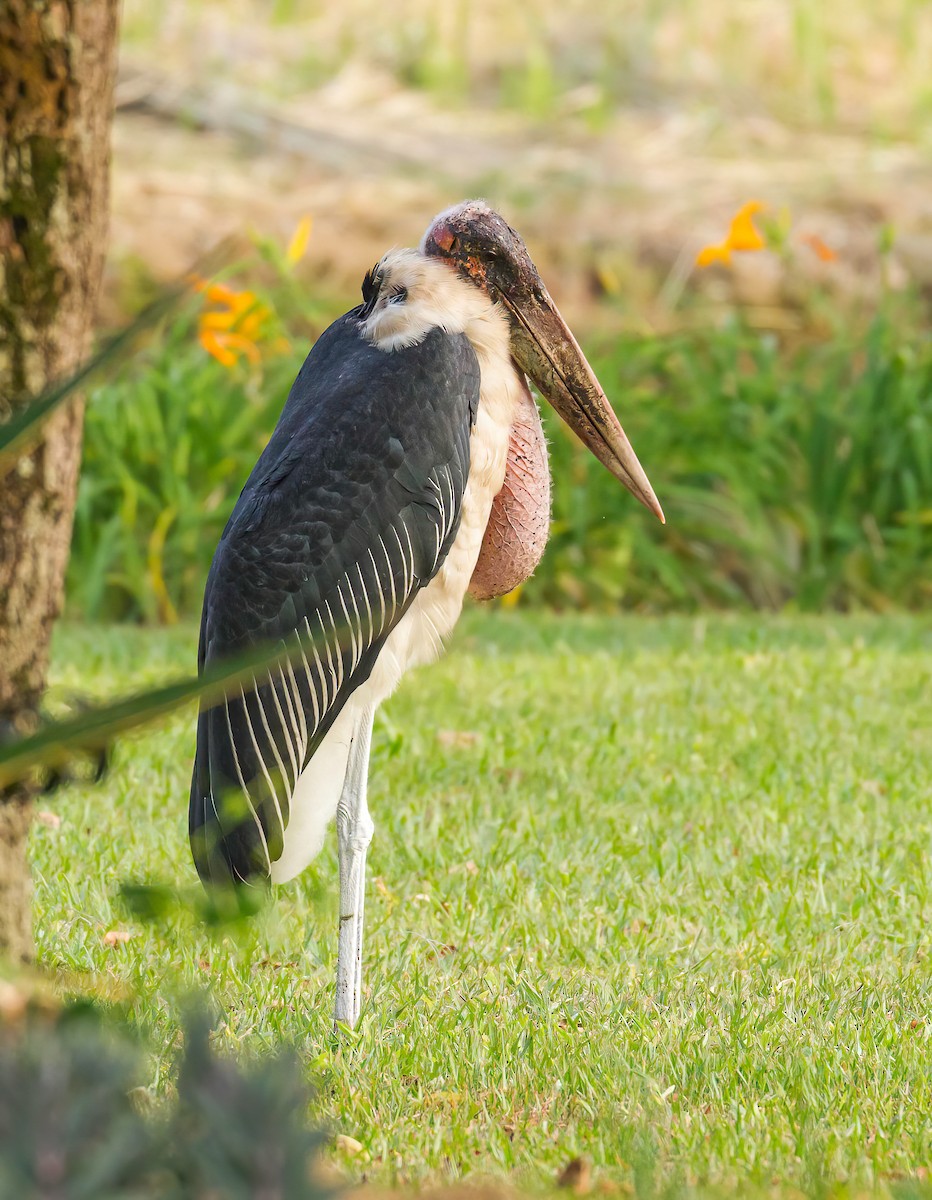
486 250
406 295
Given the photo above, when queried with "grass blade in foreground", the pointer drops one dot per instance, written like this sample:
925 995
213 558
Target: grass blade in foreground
59 742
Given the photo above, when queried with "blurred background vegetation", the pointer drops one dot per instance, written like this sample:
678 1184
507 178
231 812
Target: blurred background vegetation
781 401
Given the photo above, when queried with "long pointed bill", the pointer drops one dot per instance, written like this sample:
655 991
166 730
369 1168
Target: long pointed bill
546 351
483 247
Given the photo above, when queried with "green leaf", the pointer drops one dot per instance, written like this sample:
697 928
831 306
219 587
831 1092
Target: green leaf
57 743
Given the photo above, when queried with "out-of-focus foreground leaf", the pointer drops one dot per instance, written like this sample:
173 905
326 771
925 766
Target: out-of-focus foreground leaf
58 742
76 1120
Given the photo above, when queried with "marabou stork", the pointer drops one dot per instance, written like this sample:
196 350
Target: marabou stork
407 468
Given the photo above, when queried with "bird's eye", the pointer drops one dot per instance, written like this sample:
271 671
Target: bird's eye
399 296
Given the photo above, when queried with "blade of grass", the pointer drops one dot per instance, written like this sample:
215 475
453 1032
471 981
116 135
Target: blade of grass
59 742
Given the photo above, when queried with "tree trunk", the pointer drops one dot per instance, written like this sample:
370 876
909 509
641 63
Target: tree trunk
57 63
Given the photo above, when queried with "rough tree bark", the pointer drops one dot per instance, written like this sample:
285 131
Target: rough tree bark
57 63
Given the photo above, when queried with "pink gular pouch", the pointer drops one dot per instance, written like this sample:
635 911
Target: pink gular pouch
519 522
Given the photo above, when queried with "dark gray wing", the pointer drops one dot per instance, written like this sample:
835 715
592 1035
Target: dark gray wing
351 509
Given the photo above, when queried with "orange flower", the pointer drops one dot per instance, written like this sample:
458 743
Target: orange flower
819 248
234 329
742 234
299 241
216 293
226 347
710 254
212 344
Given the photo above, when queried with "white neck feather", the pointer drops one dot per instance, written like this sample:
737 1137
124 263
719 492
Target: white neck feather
436 297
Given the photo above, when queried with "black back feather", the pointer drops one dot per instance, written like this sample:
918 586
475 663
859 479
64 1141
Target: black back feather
350 510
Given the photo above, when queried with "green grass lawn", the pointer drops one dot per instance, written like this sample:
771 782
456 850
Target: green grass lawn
664 901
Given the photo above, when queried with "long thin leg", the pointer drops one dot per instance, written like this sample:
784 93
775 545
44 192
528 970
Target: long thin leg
354 833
